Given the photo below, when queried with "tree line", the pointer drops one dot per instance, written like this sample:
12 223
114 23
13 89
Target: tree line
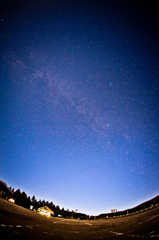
25 201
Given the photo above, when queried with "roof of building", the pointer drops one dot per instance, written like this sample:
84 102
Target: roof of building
5 189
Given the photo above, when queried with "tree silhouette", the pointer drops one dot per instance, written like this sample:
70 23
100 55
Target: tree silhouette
24 201
33 199
17 196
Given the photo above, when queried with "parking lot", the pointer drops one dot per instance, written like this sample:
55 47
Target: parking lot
20 223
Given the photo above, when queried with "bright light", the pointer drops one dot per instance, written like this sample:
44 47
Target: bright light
11 200
44 212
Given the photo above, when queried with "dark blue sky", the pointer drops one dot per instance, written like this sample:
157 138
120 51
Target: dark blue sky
79 102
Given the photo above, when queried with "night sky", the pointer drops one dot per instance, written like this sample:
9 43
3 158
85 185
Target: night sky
79 102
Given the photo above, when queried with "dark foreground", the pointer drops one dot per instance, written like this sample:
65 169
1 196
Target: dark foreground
19 223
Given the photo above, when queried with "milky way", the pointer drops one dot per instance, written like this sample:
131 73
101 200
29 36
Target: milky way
80 107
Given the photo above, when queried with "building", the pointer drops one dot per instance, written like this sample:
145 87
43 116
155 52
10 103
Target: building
113 210
5 192
45 210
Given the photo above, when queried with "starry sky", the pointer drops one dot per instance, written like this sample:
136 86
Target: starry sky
79 102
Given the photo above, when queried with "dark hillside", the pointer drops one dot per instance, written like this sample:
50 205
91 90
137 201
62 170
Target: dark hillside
142 206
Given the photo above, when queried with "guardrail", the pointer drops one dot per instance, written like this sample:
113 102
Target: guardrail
133 213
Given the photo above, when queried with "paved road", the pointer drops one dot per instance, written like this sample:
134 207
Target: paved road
19 223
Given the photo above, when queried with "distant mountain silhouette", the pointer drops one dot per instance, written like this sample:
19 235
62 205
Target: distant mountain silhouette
146 204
